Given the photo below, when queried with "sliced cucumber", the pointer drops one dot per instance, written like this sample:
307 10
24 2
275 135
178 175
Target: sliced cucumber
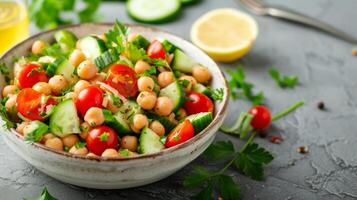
105 59
140 42
200 120
182 62
168 46
129 109
189 2
201 89
149 142
92 46
153 11
175 92
64 119
164 121
64 68
67 40
117 121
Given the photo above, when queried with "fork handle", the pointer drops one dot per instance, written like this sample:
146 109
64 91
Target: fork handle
288 14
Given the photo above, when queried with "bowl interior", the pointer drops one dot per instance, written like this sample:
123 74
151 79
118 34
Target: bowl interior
81 30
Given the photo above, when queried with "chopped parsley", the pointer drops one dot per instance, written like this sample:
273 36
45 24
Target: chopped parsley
283 81
80 145
4 70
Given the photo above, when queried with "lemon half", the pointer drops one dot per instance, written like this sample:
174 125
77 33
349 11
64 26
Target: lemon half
225 34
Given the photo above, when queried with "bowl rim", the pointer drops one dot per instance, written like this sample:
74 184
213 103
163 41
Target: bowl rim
220 113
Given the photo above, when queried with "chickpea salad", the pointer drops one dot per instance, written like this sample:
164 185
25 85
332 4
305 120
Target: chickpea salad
112 95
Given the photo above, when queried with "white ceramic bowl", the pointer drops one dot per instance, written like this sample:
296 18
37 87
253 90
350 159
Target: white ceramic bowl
103 173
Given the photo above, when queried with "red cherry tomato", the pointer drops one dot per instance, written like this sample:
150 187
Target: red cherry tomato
156 50
183 132
198 102
101 138
91 96
123 79
31 105
261 117
31 74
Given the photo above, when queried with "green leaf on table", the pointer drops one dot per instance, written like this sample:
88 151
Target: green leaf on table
197 178
239 87
283 81
91 6
252 160
220 150
206 192
228 189
45 195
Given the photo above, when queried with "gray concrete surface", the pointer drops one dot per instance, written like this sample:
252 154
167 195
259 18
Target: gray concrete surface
327 72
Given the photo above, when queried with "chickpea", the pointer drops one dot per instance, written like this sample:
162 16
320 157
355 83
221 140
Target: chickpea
42 87
87 70
10 90
181 114
145 83
141 66
91 155
201 74
146 100
192 82
98 77
20 127
110 153
140 121
54 143
71 95
70 140
76 57
37 47
81 151
85 128
170 58
46 137
165 79
10 104
130 154
81 85
57 84
157 127
129 142
94 116
134 129
164 106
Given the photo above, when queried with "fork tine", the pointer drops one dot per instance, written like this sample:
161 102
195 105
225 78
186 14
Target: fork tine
252 6
256 3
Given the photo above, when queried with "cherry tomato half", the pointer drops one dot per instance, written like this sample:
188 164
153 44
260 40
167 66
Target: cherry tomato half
198 102
31 105
101 138
123 79
261 117
31 74
183 132
156 50
91 96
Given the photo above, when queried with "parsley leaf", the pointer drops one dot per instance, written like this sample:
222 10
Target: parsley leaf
229 190
117 36
5 71
38 130
80 144
124 152
197 178
135 53
284 81
149 72
45 195
5 118
252 160
88 13
54 51
220 150
239 87
67 89
216 94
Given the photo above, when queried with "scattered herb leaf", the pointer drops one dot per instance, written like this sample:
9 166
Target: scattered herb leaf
45 195
283 81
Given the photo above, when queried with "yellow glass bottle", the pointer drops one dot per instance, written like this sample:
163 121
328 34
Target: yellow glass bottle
14 23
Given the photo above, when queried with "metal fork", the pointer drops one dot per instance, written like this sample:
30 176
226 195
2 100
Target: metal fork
259 8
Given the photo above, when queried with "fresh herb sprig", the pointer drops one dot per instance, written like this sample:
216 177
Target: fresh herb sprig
45 195
250 159
239 87
283 81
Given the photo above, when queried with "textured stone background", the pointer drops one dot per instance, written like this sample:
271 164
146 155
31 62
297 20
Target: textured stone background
327 72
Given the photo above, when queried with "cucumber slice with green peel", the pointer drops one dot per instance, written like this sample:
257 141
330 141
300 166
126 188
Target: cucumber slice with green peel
164 121
129 109
202 89
92 46
67 40
153 11
140 42
189 2
182 62
117 122
105 59
175 92
149 142
64 68
64 119
200 121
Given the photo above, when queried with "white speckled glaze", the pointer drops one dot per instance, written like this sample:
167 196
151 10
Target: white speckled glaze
103 173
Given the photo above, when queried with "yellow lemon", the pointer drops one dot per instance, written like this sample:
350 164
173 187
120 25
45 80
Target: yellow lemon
225 34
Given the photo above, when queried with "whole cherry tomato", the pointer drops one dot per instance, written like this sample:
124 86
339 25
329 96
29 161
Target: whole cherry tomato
33 105
101 138
91 96
123 79
261 117
31 74
183 132
156 50
198 102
